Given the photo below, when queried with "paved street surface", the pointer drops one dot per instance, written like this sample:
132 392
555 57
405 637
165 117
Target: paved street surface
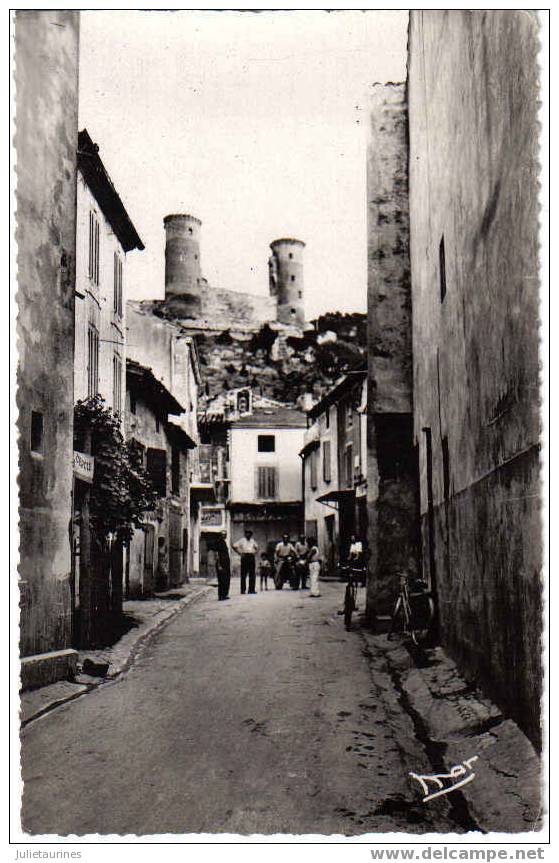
258 715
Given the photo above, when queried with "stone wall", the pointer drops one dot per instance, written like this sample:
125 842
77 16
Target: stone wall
391 482
473 100
46 136
229 308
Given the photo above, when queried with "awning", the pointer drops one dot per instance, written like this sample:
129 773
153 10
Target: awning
333 497
203 492
312 444
182 437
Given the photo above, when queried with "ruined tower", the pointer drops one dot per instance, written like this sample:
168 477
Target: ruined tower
286 280
183 278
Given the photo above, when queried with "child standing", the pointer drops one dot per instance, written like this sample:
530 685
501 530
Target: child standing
265 570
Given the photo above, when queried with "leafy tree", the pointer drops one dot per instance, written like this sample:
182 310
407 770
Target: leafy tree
121 492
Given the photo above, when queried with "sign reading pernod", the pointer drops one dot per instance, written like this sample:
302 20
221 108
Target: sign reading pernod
83 466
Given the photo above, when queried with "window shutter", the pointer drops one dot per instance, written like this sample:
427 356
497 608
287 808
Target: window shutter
266 482
96 252
314 481
326 467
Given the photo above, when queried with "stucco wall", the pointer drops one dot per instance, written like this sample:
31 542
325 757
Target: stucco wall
142 426
159 346
473 100
313 509
244 459
46 133
391 480
95 303
389 292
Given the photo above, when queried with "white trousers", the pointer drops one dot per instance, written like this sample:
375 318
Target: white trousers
314 569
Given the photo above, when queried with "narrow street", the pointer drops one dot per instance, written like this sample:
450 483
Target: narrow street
259 715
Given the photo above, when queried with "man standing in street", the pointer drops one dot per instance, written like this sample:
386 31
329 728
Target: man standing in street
246 547
223 566
284 559
302 552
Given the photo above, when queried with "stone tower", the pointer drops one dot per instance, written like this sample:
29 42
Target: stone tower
286 280
183 278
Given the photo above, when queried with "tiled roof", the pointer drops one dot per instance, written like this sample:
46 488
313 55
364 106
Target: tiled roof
96 176
280 417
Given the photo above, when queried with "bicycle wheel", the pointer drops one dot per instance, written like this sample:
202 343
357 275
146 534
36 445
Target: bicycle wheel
421 619
407 615
395 615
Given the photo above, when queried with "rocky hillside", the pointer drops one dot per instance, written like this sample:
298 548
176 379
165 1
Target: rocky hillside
282 366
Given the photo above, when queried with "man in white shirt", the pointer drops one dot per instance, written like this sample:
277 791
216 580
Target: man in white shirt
355 550
284 559
246 547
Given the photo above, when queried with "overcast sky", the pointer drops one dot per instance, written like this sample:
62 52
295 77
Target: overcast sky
254 123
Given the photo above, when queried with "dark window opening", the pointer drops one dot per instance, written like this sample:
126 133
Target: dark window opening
348 466
327 418
300 294
266 443
132 403
157 424
175 470
293 312
292 278
442 269
156 466
290 255
37 440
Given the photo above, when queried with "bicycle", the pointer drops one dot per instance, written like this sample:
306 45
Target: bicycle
415 608
354 578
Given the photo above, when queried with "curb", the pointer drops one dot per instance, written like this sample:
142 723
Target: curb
457 721
125 664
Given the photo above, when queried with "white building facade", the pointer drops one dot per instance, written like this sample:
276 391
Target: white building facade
266 489
334 458
104 236
171 356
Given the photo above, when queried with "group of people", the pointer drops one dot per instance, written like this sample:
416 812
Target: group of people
291 561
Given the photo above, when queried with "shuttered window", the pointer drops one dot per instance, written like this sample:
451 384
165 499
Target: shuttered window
314 468
92 360
266 482
156 466
326 462
117 383
117 285
93 248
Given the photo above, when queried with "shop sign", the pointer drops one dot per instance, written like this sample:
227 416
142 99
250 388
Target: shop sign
83 466
211 517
